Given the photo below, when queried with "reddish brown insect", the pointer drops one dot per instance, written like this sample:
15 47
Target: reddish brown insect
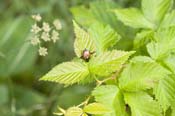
86 54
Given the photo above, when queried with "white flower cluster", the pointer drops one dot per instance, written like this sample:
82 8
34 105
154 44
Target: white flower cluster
44 33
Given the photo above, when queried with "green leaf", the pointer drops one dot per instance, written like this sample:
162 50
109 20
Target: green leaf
108 62
142 104
142 59
97 11
154 10
165 91
141 75
168 20
101 11
173 109
67 73
74 111
83 15
110 96
133 17
96 108
82 41
143 38
170 62
103 36
163 44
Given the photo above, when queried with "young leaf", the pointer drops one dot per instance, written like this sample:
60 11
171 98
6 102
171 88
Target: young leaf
142 104
67 73
74 111
154 10
96 108
165 91
169 62
82 41
143 38
168 20
110 96
133 17
103 36
141 75
108 62
163 45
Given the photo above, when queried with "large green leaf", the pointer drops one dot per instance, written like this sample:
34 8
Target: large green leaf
168 20
154 10
163 44
18 54
104 36
165 91
67 73
142 104
82 41
110 96
141 75
108 62
133 17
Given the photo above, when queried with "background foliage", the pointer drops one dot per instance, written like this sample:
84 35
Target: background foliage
21 94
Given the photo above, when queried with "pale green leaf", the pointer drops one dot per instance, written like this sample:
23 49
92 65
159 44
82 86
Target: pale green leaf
165 91
67 73
83 15
109 62
168 20
133 17
163 44
141 75
143 38
96 108
173 109
110 96
82 41
101 11
142 104
154 10
103 36
74 111
170 62
143 59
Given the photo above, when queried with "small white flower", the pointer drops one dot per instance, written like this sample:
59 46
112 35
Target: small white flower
35 28
57 24
55 35
46 27
37 17
42 51
35 40
45 36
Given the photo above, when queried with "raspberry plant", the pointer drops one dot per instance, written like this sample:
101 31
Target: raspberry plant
129 83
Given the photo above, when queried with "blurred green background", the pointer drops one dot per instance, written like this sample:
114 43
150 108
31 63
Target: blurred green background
21 93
